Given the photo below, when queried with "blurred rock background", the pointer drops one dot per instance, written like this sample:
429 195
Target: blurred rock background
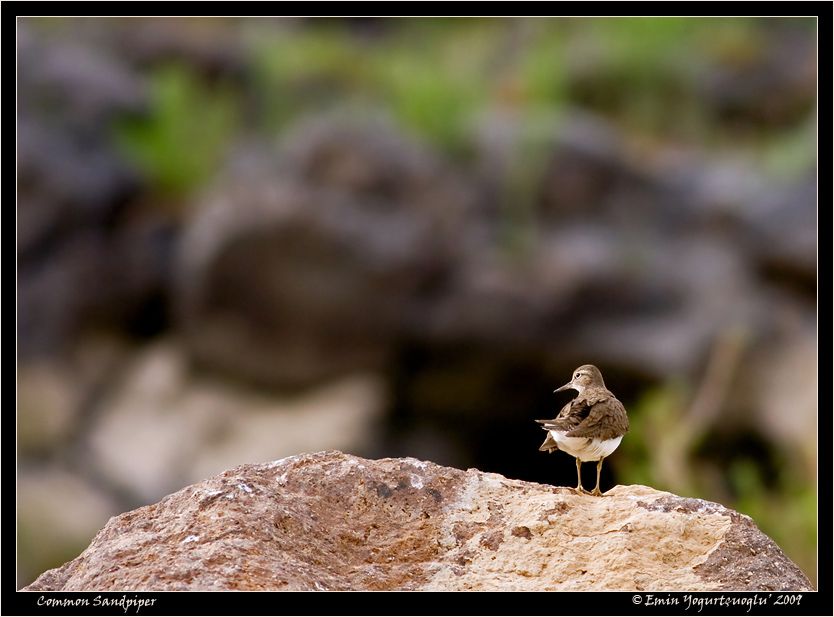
241 239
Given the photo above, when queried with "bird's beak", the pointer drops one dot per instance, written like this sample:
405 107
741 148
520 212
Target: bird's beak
567 386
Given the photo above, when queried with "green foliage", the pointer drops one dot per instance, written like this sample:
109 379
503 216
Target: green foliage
542 71
639 71
440 78
298 71
790 153
655 459
435 76
182 139
435 103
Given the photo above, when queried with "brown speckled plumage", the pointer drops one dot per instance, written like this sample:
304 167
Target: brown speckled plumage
595 414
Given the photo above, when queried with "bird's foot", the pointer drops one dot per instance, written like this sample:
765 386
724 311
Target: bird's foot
580 491
596 492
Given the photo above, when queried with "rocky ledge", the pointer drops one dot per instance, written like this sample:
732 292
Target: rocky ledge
332 521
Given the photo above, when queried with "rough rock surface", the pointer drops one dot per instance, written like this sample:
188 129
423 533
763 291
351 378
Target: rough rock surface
332 521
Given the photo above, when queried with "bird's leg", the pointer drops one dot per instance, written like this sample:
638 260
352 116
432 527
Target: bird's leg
596 490
579 488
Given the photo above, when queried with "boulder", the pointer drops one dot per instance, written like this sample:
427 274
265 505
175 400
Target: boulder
331 521
91 251
305 264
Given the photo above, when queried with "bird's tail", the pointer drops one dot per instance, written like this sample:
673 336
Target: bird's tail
549 444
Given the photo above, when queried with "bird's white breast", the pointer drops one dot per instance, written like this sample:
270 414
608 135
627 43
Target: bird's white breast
585 448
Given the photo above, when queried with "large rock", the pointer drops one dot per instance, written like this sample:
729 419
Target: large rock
89 252
334 521
306 264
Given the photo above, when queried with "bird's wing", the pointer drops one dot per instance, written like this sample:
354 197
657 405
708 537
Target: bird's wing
606 419
569 418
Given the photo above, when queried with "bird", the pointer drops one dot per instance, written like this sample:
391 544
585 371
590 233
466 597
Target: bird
590 427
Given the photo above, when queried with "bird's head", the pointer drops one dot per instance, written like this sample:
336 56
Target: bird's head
584 377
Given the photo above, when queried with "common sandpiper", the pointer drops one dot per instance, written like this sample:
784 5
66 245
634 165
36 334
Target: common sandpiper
590 427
